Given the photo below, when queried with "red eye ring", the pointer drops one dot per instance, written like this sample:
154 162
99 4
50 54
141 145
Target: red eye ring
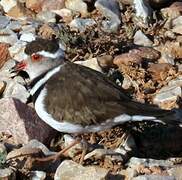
36 57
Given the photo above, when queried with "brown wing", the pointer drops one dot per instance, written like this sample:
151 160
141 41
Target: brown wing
82 95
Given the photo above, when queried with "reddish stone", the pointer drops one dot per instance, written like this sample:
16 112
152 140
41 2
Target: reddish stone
22 122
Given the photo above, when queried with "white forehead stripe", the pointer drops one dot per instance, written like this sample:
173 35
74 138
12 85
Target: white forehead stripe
57 54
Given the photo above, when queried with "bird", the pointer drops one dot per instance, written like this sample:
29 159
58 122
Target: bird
72 98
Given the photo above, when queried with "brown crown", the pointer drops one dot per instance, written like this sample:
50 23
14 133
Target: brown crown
41 44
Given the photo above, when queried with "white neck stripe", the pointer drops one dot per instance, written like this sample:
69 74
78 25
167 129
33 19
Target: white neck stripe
57 54
44 79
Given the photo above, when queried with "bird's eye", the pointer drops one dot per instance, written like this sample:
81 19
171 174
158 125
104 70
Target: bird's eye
36 57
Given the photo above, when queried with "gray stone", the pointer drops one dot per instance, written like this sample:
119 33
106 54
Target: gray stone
4 21
134 162
81 24
69 170
22 122
176 82
27 37
141 39
14 25
36 144
111 10
143 10
167 94
8 36
37 175
16 90
154 177
17 50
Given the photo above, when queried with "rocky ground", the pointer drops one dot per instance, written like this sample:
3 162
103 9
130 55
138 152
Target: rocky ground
137 44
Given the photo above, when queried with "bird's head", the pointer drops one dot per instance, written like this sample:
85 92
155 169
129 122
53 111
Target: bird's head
42 55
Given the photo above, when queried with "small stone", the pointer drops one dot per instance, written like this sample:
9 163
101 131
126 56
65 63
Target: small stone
127 59
22 122
143 10
8 4
77 5
91 63
176 172
19 12
166 59
17 51
153 177
46 16
7 174
4 54
34 143
14 26
105 62
81 24
8 36
4 21
173 11
160 72
34 5
37 175
135 162
27 37
69 170
2 87
50 5
111 10
141 39
16 90
167 94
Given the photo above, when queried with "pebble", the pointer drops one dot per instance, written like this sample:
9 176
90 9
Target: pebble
7 174
37 175
111 10
34 143
77 5
4 21
91 63
20 120
14 25
141 39
81 24
16 90
167 94
105 62
8 36
143 10
69 170
8 4
135 162
17 51
46 16
27 37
